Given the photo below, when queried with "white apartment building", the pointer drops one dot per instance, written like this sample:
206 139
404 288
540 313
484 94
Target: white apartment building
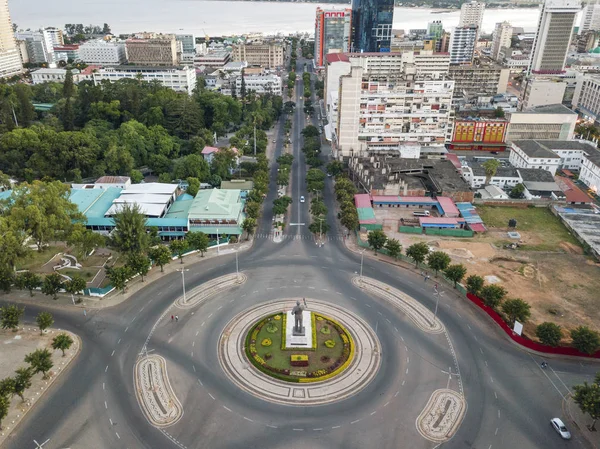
590 18
10 57
471 13
586 98
260 84
50 75
103 53
180 79
590 171
555 122
502 38
462 44
383 109
188 42
542 91
555 27
533 154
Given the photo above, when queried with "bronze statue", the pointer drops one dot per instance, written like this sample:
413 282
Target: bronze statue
297 312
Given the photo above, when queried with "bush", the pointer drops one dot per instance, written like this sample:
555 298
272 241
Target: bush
271 328
325 330
585 339
266 342
549 333
330 343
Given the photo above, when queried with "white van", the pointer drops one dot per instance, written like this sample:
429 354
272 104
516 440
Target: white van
424 213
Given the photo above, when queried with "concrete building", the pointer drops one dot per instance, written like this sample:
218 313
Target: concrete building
66 53
590 171
553 36
214 59
267 54
41 76
462 44
372 25
586 99
180 79
471 13
188 42
158 50
542 91
590 17
435 29
479 134
333 30
483 78
10 57
54 36
502 39
35 47
102 52
389 99
555 122
533 154
260 84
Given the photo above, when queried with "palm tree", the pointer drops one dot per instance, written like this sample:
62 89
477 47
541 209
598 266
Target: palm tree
491 167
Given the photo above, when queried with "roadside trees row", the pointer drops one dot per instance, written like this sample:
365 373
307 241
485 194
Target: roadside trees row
344 193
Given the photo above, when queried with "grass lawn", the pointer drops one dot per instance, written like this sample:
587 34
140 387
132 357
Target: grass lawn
536 220
36 259
281 358
86 273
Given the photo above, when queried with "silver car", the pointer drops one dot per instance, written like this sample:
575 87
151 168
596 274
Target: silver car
560 427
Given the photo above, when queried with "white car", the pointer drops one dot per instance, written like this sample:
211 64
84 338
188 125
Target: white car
559 426
302 199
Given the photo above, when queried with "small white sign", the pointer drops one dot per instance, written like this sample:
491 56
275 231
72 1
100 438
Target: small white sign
518 328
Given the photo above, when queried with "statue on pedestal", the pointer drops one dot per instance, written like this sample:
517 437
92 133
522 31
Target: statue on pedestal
297 312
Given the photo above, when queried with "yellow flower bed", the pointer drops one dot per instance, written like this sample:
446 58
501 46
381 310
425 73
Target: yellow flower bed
266 342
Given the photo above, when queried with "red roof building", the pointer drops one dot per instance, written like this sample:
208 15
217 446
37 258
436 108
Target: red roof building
479 134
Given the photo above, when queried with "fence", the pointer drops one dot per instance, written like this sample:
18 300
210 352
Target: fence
410 230
449 232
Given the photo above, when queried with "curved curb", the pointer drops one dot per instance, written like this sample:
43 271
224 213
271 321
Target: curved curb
204 291
420 315
362 369
442 415
154 392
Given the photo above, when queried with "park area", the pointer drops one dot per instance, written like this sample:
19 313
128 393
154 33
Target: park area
549 269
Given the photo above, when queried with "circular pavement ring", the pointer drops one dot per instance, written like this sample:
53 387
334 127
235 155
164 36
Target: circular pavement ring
362 369
442 415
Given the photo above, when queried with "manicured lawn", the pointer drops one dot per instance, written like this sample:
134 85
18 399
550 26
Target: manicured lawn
536 220
37 259
86 273
281 358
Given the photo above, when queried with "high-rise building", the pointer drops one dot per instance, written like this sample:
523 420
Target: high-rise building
157 50
502 38
332 33
10 57
471 13
372 25
435 29
551 44
387 101
268 54
102 52
188 42
590 18
35 46
462 44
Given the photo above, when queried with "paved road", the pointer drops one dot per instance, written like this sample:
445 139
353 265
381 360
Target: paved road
510 399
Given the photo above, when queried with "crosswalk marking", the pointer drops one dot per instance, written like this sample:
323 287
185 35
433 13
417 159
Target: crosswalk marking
299 237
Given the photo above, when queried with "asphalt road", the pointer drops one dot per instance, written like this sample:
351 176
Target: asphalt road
93 405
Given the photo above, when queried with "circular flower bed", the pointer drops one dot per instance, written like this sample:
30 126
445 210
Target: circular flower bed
331 353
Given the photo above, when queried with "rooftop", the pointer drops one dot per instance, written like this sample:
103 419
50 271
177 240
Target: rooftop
573 193
216 204
240 184
535 175
501 172
585 223
209 150
112 180
337 57
151 187
540 187
549 109
535 149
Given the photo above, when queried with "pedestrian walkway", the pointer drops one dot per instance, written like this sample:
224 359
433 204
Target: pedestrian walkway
269 236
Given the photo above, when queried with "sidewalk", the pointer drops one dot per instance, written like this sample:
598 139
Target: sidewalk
581 421
114 298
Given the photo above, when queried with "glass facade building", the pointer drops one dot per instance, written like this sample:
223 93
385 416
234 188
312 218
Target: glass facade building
372 25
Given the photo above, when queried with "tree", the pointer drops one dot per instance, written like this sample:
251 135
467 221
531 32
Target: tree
40 361
160 255
193 186
129 235
334 168
492 295
349 219
249 225
252 209
377 239
139 264
499 112
75 286
417 252
85 240
516 309
179 247
63 342
197 241
585 339
52 284
10 316
393 247
44 320
26 280
456 273
22 381
136 176
7 386
475 284
118 276
517 191
4 405
549 333
587 396
438 260
490 166
68 85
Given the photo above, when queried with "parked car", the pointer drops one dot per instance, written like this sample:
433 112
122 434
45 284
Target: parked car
560 428
302 199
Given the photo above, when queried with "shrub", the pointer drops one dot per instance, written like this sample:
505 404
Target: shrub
585 339
330 343
266 342
271 328
549 333
325 330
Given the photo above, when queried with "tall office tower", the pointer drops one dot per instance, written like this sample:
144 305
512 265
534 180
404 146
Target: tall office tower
435 29
471 14
551 44
502 38
332 33
462 44
590 19
10 57
372 25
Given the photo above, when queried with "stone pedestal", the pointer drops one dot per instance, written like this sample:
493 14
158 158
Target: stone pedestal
295 340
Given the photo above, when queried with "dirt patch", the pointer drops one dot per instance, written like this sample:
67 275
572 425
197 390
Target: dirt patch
570 248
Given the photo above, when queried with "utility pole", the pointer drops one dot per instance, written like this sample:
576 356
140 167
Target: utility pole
237 272
218 242
437 294
183 270
362 254
254 139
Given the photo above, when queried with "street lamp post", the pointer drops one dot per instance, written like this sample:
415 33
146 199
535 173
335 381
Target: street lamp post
237 272
362 254
183 270
437 301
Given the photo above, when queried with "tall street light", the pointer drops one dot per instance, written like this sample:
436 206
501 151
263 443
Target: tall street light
437 294
362 255
183 270
237 272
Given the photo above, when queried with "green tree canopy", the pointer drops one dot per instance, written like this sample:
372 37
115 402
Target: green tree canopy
27 280
418 252
475 284
377 239
40 361
179 247
492 295
587 396
456 273
197 241
139 264
438 261
549 333
52 284
516 309
44 320
585 339
63 342
394 248
118 276
10 316
161 255
129 235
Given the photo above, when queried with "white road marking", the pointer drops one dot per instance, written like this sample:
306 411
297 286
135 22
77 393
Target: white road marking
336 427
318 428
192 354
373 412
398 392
387 319
194 366
486 364
492 379
248 419
498 413
324 289
202 324
386 404
496 395
209 315
468 326
105 405
338 293
119 342
352 297
407 359
496 432
117 435
126 329
111 423
197 332
193 343
106 369
113 353
368 305
103 385
355 421
406 370
298 430
220 307
480 350
402 338
227 408
211 396
272 427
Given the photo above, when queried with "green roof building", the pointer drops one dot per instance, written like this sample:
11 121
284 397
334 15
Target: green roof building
217 212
